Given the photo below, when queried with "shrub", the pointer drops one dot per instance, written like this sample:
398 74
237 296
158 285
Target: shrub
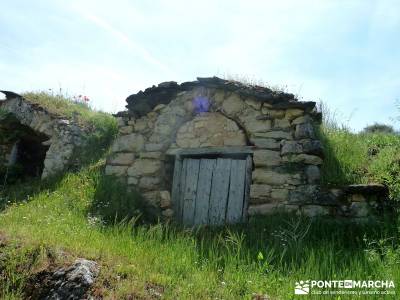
379 128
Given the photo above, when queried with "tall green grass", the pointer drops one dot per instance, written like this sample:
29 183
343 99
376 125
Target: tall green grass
359 157
265 256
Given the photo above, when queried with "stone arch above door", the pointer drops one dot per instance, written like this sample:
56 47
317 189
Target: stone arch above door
210 129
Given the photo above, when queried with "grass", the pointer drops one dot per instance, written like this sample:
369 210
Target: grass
65 106
361 158
51 223
265 257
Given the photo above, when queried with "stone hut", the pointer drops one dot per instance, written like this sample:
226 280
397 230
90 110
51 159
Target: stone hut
215 151
40 142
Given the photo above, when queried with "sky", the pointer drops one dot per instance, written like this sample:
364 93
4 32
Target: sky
345 53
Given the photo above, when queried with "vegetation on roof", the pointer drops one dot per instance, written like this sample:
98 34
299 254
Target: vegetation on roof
72 108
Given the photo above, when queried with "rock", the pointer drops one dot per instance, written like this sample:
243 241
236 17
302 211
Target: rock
153 147
254 125
264 209
301 120
273 113
274 178
144 167
259 193
312 147
291 147
253 103
72 282
116 170
305 194
165 199
313 174
315 210
121 122
280 135
293 113
149 183
233 105
121 159
133 180
289 208
125 130
235 140
153 198
331 198
210 130
280 195
304 131
266 158
281 123
159 107
128 143
141 124
152 155
168 213
306 159
359 209
358 198
265 143
219 96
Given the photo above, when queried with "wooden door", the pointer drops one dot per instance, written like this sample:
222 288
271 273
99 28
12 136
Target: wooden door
211 191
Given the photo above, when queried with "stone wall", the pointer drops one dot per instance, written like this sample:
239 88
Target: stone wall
63 135
212 112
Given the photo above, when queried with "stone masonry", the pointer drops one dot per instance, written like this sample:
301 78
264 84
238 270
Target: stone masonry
64 136
213 112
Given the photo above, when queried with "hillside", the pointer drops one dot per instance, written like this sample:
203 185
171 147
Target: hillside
46 225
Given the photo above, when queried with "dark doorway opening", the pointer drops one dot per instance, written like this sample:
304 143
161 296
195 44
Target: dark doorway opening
31 153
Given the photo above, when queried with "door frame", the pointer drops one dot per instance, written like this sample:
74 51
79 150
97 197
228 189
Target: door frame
245 152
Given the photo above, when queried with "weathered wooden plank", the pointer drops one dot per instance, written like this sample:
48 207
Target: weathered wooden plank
176 186
204 191
189 195
234 211
219 191
182 189
249 169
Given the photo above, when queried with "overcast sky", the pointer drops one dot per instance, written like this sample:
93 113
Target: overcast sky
345 53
